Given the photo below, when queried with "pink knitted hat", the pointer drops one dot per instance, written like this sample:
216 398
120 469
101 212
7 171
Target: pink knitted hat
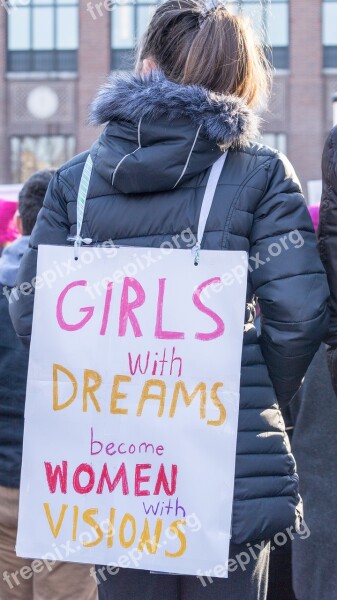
8 232
314 213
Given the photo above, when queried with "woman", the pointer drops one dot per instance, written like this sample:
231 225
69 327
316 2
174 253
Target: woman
328 242
314 441
200 75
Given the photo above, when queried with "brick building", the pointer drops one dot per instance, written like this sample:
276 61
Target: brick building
55 53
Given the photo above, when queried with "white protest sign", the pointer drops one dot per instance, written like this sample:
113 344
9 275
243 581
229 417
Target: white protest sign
132 408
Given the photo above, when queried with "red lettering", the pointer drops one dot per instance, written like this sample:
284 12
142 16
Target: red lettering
59 473
139 479
162 481
78 487
120 476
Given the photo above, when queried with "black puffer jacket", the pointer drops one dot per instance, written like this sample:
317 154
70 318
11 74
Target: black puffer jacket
151 166
327 236
13 372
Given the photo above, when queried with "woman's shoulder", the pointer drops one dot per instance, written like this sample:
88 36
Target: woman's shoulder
260 151
258 154
254 156
68 176
74 165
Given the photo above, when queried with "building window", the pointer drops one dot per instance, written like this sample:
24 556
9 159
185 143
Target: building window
329 33
275 140
129 21
30 154
271 21
42 35
270 18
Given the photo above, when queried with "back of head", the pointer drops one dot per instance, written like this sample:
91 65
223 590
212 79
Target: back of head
31 199
204 44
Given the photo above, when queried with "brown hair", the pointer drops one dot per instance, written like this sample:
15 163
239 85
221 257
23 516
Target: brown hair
214 49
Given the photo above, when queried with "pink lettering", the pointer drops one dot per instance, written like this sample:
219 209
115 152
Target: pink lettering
127 307
59 309
220 326
159 333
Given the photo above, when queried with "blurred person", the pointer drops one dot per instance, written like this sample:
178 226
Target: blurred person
280 567
327 242
200 78
314 559
22 578
314 443
8 232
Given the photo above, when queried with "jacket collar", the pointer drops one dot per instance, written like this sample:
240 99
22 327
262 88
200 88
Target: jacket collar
224 120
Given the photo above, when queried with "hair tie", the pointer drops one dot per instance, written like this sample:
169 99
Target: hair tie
208 7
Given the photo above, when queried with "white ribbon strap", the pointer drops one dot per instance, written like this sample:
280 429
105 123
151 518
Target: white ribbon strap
205 207
81 200
207 201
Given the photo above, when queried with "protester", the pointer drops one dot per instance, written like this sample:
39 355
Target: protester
167 125
327 241
314 415
20 578
315 448
8 232
282 574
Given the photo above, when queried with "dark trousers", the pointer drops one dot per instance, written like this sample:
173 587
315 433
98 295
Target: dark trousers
280 577
247 581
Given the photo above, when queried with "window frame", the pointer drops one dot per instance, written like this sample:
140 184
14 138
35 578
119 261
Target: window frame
41 60
279 56
280 140
127 55
69 139
329 50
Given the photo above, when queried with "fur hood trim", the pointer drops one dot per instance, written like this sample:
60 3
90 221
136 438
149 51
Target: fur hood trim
225 120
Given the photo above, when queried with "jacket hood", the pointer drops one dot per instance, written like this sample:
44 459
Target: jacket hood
10 261
160 133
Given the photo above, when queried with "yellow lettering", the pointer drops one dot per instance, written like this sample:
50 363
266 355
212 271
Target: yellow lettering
117 395
55 529
87 518
174 527
75 523
147 396
88 390
145 540
180 387
56 405
217 402
127 519
110 536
